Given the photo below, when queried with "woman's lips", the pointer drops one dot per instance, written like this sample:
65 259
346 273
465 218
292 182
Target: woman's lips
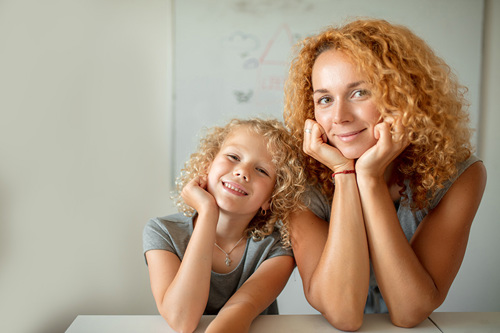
347 137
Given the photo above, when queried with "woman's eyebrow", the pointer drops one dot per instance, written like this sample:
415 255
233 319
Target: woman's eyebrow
355 84
349 86
321 91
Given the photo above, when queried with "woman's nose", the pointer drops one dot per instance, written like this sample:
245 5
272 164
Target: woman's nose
341 112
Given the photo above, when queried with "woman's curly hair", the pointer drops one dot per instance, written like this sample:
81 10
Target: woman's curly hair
290 176
409 82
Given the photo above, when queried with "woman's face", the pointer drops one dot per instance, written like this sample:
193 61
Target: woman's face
343 104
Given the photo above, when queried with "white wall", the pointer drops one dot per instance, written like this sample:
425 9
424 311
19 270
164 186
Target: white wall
84 156
84 161
476 287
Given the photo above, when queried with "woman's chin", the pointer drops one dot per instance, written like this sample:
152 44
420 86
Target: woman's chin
352 154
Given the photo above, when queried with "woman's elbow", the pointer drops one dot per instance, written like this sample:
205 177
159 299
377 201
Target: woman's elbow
350 322
412 316
409 321
344 316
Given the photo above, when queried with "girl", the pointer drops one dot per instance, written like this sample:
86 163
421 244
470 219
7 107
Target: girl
224 255
379 113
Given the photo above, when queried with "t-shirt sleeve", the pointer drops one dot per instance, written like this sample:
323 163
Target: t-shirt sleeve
461 167
277 248
317 203
155 236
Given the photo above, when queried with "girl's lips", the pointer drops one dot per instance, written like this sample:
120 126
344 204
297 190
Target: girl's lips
234 188
347 137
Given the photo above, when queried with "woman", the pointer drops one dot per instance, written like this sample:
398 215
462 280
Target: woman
381 115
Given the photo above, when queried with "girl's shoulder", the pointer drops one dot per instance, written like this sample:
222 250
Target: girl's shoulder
269 246
175 224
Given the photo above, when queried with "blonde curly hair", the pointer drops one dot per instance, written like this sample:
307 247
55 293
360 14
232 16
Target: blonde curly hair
409 82
290 177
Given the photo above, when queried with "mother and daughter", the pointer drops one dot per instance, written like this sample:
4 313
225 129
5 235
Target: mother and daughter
373 185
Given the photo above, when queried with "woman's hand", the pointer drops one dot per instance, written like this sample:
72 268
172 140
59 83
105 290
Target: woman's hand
195 194
375 160
316 145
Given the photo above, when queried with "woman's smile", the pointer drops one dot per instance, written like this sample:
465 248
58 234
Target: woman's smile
348 137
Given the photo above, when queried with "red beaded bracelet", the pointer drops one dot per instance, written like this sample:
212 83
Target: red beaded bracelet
341 172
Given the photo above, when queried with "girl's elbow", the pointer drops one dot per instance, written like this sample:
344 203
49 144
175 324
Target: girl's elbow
178 322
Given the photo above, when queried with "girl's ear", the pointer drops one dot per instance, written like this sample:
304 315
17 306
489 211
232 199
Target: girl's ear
266 205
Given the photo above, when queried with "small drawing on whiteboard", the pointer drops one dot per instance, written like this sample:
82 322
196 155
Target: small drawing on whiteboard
242 97
242 43
251 63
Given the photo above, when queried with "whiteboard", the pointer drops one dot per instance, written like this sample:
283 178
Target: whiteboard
231 57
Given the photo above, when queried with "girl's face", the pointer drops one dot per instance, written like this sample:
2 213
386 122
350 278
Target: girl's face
242 176
343 104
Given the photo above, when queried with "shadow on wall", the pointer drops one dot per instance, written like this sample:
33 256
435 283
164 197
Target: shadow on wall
4 213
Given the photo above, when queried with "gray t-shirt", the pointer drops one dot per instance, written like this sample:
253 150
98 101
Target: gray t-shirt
172 233
409 221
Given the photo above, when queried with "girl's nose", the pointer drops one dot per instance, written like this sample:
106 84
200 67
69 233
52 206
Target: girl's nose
242 172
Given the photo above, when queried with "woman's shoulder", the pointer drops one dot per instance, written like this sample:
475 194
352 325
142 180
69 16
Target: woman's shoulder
461 168
317 202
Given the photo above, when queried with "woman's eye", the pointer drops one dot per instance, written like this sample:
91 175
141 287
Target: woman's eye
324 100
361 93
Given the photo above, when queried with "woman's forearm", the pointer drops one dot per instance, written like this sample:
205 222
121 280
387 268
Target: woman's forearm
339 284
408 289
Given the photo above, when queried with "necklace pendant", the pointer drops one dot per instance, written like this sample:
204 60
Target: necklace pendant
228 261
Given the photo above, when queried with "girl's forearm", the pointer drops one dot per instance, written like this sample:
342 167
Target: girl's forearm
235 318
186 297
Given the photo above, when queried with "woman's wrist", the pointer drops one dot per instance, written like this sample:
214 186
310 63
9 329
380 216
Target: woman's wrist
369 180
341 168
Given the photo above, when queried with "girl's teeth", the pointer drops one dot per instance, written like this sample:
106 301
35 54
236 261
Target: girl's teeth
234 188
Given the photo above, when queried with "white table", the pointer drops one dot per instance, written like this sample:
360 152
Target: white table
465 322
262 324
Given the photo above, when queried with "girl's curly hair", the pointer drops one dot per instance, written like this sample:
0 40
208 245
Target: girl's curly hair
290 177
409 82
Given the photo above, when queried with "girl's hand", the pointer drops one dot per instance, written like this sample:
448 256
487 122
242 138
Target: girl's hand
195 194
375 160
316 145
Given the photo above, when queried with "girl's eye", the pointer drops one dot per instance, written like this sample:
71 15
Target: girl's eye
233 157
263 171
361 93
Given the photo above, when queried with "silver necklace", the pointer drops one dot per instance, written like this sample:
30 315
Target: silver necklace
228 260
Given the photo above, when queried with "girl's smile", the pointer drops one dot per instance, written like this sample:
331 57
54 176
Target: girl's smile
234 188
242 176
